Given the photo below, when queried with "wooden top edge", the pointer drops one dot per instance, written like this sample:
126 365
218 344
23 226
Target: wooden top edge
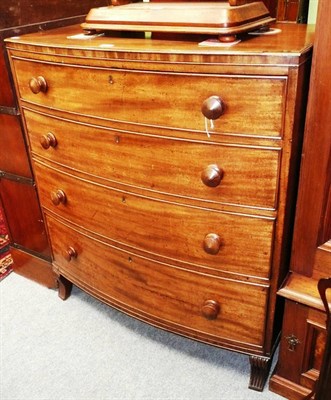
303 289
197 14
211 29
293 42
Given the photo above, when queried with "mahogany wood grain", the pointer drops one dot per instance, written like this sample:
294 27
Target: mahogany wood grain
288 10
272 6
322 261
132 143
22 207
303 290
7 98
131 96
33 267
215 18
160 292
311 250
13 145
313 207
249 175
26 213
176 231
27 12
292 46
324 384
236 3
298 364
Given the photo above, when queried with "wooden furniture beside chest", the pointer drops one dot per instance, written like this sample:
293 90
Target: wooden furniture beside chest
303 337
323 385
167 174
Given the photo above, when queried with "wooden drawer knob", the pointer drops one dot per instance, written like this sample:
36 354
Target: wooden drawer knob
212 175
58 196
38 85
48 140
212 243
210 309
70 253
213 107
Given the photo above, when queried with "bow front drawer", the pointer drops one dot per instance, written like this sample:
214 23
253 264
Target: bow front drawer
246 105
214 173
191 235
202 306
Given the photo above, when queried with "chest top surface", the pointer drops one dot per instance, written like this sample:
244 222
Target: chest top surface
290 46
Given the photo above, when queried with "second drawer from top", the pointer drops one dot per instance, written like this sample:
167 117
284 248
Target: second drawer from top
212 172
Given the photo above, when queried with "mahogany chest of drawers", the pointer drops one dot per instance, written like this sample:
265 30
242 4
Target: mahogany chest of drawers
167 174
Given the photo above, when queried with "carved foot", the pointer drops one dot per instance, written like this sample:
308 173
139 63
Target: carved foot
260 368
65 287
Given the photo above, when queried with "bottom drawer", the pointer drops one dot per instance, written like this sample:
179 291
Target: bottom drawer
211 309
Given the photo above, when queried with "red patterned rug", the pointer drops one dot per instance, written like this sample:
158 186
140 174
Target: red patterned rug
6 260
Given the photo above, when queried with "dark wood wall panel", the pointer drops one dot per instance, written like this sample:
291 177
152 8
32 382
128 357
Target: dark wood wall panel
26 221
272 6
13 146
25 12
6 91
313 206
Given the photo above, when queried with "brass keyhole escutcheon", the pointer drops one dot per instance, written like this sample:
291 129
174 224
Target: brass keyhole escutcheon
292 342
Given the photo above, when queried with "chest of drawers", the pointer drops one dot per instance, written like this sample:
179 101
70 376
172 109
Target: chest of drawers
167 175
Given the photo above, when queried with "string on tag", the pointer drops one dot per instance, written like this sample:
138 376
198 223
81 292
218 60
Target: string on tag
211 126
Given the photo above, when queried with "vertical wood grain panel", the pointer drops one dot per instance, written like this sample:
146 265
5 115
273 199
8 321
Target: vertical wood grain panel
313 207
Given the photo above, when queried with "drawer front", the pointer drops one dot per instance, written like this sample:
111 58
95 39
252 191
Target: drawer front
213 173
252 105
175 298
234 243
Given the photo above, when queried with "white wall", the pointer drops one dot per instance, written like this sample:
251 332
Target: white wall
312 11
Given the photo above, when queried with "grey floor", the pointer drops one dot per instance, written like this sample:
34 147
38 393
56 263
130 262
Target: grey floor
81 349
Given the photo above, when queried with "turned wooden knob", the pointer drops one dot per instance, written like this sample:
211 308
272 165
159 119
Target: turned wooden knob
210 309
70 253
58 196
212 243
213 107
48 140
212 175
38 85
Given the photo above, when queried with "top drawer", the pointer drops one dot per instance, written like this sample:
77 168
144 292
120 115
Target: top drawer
250 105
